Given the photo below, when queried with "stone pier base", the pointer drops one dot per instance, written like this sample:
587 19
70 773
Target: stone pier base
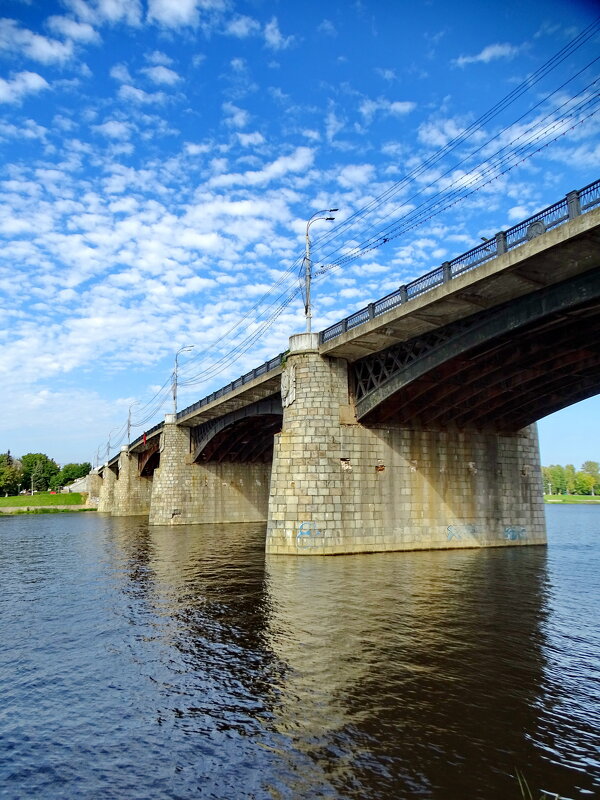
186 493
106 493
131 491
340 487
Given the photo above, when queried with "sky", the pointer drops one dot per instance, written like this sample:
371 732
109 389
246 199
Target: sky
160 159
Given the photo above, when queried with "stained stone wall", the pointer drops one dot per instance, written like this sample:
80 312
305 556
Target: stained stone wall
131 491
93 487
106 495
339 487
185 493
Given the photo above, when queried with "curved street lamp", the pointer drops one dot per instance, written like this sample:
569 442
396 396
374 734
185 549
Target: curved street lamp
181 350
135 403
307 264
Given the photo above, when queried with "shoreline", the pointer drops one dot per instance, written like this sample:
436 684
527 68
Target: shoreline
58 509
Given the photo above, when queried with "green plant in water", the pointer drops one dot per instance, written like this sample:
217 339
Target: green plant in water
526 792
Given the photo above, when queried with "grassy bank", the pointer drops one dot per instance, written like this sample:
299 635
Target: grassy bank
43 499
571 498
44 510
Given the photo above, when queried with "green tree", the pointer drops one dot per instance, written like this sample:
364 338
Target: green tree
10 474
38 470
584 483
592 468
570 478
556 474
70 473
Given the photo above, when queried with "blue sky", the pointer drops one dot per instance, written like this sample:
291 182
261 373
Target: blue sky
160 159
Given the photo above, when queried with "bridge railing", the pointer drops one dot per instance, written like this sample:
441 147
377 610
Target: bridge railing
571 206
268 366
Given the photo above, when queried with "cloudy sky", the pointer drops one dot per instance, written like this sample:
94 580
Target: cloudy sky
160 159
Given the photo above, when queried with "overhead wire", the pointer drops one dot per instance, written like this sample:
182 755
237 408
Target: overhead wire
554 61
495 163
482 147
282 301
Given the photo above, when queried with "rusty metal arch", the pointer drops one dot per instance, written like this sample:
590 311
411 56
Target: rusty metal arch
202 435
152 448
381 377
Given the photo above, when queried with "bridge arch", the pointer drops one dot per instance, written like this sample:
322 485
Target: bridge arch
500 369
243 435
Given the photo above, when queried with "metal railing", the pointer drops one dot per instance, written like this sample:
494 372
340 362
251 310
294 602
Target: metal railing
268 366
571 206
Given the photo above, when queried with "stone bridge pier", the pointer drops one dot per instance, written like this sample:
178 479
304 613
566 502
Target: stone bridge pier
338 486
106 494
131 490
184 492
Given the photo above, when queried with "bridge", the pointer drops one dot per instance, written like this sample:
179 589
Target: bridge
409 424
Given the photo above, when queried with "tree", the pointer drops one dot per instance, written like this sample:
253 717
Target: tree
570 478
556 474
584 483
10 474
70 473
38 470
592 468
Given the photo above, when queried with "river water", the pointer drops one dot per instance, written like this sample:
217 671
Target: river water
155 663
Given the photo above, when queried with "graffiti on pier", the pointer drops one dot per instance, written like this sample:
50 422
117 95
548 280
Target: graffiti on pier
460 532
309 535
514 532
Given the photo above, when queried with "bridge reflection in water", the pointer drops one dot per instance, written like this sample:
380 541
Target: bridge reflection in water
402 675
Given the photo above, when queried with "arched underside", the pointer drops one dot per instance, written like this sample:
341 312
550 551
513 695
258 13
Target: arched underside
501 370
245 435
148 462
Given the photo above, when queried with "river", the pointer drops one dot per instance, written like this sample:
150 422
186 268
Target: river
156 663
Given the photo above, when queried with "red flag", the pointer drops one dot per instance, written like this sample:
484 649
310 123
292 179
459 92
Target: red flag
144 437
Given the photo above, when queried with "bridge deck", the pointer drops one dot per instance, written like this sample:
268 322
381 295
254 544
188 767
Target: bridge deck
551 258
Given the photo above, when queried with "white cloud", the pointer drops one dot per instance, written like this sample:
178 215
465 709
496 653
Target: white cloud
327 27
111 11
173 14
193 149
437 133
333 126
235 117
14 39
274 38
71 29
355 174
113 129
299 161
158 57
387 74
368 108
20 85
127 92
314 136
490 53
161 75
251 139
120 73
242 27
120 11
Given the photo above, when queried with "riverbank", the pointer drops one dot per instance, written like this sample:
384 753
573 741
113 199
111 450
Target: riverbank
44 503
12 510
571 498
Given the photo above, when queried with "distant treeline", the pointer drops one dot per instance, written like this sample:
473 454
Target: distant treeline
36 472
568 480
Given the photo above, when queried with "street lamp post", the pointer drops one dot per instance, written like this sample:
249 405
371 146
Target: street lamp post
135 403
307 264
181 350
